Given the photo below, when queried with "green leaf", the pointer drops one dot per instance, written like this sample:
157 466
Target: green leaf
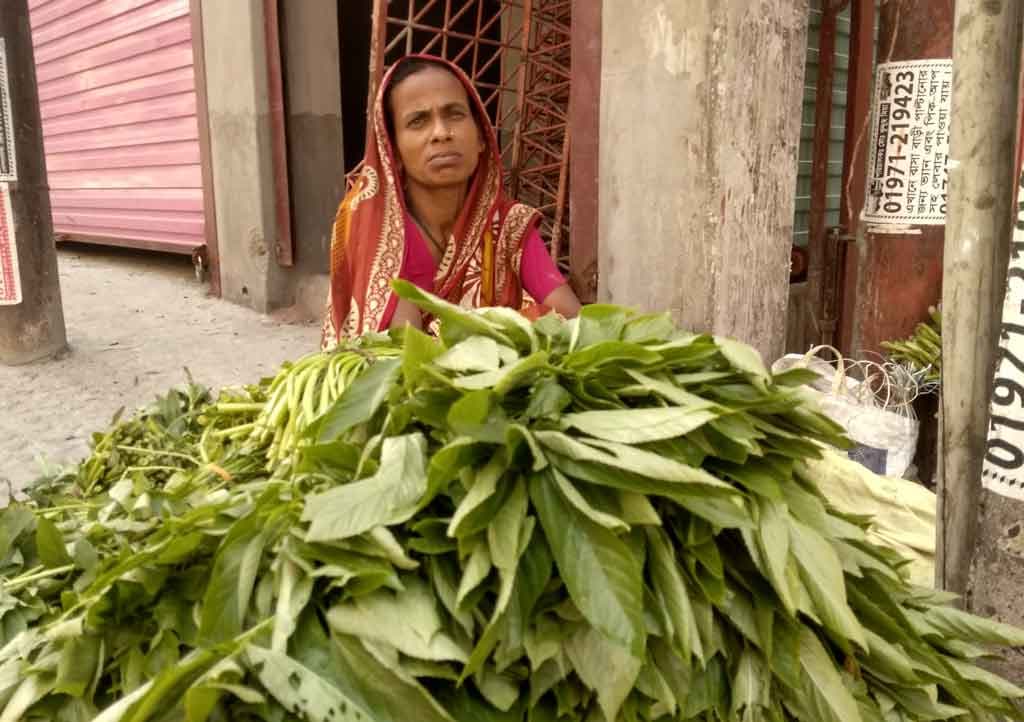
997 684
232 580
889 661
957 624
391 695
483 501
477 570
457 323
465 706
418 351
503 533
602 575
548 398
825 680
597 323
520 373
32 689
639 426
532 578
607 668
409 621
745 359
515 326
50 544
77 665
592 358
294 590
447 462
627 458
360 401
667 578
475 354
796 377
14 520
391 496
716 505
750 685
301 691
638 509
490 637
649 327
822 574
773 543
477 416
574 497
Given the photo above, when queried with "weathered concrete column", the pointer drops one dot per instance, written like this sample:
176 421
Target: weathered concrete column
240 144
310 47
700 122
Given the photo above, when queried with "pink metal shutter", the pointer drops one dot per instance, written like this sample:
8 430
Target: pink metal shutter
118 99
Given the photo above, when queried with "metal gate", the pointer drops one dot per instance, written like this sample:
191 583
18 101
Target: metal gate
519 55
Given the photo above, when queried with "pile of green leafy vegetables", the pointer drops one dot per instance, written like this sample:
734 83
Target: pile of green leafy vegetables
601 519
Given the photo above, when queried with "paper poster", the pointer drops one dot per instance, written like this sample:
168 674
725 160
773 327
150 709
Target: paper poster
8 164
10 280
1003 470
909 143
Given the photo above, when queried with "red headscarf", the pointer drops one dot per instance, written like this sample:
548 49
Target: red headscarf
481 263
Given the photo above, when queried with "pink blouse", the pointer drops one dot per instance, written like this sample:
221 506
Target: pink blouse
538 273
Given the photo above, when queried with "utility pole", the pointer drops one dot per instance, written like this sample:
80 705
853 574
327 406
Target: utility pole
981 499
31 314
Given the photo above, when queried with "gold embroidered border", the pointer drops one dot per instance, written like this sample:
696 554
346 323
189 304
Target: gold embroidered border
510 244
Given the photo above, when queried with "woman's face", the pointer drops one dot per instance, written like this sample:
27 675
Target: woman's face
436 137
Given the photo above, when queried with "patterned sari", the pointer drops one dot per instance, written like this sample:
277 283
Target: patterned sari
481 263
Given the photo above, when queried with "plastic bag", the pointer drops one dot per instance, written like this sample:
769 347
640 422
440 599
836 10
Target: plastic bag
882 425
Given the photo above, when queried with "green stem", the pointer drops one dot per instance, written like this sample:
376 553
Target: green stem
158 452
232 407
65 507
234 432
152 468
17 583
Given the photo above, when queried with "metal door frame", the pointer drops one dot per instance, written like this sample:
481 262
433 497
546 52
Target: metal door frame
550 134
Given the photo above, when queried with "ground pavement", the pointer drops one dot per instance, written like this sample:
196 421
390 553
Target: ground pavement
135 321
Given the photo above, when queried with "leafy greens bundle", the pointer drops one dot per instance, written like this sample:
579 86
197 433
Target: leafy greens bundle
602 519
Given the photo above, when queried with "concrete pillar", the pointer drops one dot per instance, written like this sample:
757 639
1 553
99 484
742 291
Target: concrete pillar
309 43
240 142
700 122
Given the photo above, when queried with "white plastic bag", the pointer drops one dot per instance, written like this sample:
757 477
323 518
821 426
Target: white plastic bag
884 430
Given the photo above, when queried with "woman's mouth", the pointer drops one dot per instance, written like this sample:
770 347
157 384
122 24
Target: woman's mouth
447 158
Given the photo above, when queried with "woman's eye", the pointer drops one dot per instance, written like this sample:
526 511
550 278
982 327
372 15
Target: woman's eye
416 123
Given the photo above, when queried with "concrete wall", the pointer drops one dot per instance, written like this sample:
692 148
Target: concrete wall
236 77
700 123
309 44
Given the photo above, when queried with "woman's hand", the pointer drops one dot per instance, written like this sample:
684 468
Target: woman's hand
406 313
564 302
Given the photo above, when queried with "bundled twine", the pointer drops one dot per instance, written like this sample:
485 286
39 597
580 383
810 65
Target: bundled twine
879 384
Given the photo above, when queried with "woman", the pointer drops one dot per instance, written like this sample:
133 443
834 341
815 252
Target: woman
429 208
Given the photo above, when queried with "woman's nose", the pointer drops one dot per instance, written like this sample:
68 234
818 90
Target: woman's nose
442 131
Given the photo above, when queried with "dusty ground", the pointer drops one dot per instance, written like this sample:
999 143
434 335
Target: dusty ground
135 321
